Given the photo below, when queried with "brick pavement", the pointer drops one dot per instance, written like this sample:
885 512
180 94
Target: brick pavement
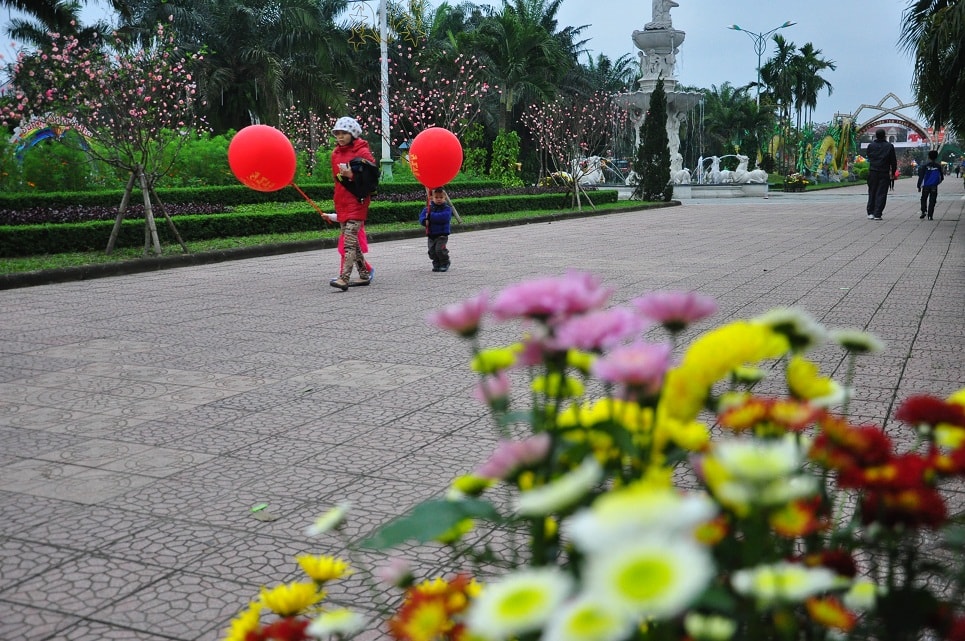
142 416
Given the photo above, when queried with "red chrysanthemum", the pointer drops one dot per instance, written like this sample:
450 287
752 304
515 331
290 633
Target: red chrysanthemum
929 410
831 613
916 507
287 629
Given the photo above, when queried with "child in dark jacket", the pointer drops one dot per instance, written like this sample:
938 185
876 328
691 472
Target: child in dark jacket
436 219
930 175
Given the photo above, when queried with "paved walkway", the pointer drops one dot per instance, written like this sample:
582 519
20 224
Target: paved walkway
142 416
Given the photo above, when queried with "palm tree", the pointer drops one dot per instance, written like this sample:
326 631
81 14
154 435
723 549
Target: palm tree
524 58
934 32
610 76
50 16
808 83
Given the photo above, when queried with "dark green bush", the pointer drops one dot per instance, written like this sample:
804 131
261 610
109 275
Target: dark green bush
28 240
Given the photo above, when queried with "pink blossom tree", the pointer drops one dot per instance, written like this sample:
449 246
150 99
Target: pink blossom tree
570 130
445 93
307 130
135 105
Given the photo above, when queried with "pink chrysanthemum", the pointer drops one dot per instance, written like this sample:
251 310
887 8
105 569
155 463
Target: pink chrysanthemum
510 456
675 310
638 367
599 330
493 389
462 318
551 299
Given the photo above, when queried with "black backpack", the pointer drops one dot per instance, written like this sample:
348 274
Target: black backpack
365 178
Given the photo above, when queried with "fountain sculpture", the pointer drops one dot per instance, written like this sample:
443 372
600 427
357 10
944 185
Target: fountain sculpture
659 42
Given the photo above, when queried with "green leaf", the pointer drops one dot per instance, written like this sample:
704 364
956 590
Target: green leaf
428 521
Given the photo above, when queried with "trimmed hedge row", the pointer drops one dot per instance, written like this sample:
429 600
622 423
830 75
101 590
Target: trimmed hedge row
224 195
31 240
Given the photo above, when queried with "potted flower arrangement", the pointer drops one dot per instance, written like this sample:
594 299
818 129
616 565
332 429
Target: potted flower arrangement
796 182
657 491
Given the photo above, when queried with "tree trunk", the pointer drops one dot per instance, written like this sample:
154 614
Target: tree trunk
125 199
174 230
150 225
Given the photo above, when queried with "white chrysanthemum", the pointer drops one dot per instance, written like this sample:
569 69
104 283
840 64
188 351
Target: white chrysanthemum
783 582
760 461
621 514
656 577
518 603
560 493
588 618
800 328
343 622
783 491
857 341
862 596
330 520
708 627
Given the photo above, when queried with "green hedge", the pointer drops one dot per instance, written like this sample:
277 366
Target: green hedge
226 195
31 240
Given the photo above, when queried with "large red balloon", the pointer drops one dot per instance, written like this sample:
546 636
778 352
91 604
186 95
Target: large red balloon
262 158
435 157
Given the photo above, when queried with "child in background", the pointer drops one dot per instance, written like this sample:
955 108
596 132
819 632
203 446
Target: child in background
436 218
350 210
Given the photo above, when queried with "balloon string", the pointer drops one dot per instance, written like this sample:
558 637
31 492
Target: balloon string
312 203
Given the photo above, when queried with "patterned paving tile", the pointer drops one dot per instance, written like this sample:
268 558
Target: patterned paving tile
28 623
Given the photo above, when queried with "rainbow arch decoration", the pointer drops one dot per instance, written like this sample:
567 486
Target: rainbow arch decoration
36 130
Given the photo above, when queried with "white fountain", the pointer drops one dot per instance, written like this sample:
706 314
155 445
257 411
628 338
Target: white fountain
659 44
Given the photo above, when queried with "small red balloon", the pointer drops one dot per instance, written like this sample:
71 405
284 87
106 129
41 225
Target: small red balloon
435 157
262 158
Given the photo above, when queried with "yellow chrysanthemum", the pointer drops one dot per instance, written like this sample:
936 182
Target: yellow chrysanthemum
457 531
805 382
497 359
424 620
713 356
289 599
558 386
581 361
469 485
693 436
247 621
323 568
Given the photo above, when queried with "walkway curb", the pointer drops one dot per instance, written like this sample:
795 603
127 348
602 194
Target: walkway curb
151 264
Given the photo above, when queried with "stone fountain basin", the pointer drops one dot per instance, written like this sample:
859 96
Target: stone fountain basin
658 40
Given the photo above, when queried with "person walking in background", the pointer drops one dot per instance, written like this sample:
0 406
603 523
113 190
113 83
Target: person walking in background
351 210
930 175
882 165
436 217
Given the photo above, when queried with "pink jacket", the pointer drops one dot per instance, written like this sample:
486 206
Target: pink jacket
347 206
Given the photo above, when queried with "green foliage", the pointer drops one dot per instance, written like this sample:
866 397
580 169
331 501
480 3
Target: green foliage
429 521
474 151
652 163
505 159
28 240
202 160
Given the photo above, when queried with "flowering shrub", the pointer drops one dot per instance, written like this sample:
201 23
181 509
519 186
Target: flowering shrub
797 181
665 494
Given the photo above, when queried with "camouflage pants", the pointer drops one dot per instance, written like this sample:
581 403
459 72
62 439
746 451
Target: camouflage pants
353 253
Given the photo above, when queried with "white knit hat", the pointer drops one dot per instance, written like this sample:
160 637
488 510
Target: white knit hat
350 125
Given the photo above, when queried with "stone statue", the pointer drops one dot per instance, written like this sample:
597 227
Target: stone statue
661 15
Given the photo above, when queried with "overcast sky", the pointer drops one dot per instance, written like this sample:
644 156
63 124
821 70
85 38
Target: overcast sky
860 36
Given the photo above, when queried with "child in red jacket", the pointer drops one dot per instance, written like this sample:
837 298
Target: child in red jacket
350 210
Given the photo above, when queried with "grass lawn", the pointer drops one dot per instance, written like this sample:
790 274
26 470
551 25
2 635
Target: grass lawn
325 231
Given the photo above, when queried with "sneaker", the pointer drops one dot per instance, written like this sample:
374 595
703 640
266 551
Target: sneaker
922 216
338 283
444 268
870 217
436 268
876 218
930 218
368 281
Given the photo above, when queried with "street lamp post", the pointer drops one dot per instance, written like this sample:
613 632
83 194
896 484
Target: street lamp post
760 44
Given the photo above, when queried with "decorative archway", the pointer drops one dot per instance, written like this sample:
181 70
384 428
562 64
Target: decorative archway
887 112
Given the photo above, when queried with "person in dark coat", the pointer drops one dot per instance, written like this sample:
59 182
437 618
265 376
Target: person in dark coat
882 165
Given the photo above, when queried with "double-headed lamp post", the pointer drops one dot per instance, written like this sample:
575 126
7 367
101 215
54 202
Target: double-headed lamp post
760 44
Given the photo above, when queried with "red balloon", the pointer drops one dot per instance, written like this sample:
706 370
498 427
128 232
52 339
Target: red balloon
435 157
262 158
